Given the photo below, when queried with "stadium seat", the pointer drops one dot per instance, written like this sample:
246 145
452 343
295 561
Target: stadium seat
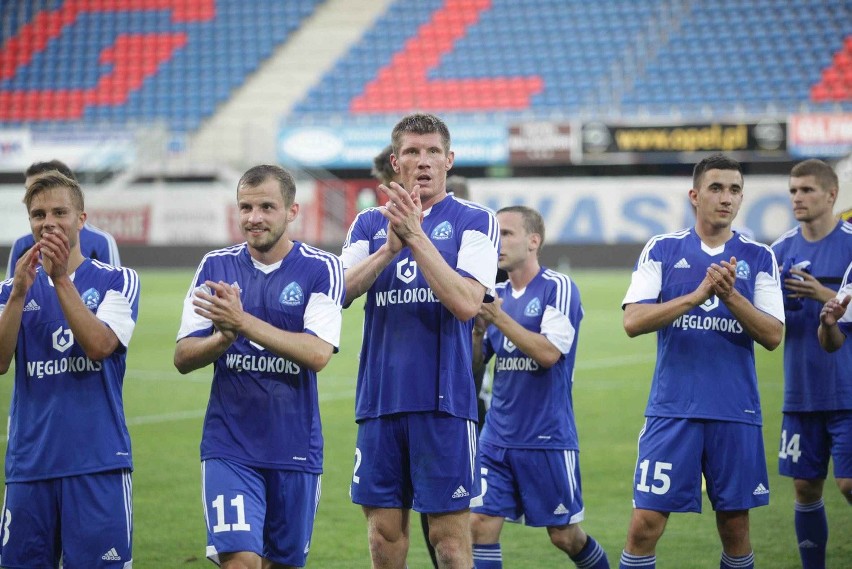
115 58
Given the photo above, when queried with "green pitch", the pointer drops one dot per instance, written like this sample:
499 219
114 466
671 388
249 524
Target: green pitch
165 410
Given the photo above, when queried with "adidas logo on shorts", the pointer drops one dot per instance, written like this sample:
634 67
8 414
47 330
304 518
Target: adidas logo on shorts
31 306
460 492
111 555
682 264
760 490
560 510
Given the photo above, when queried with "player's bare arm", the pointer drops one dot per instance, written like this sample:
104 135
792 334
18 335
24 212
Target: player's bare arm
460 295
764 329
478 334
644 318
10 318
224 308
96 339
831 338
361 276
192 353
808 287
533 344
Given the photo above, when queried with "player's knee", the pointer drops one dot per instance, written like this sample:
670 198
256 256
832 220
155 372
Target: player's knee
384 546
449 549
571 538
808 491
241 560
480 528
646 528
845 486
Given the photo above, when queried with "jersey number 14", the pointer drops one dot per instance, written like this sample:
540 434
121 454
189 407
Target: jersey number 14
789 449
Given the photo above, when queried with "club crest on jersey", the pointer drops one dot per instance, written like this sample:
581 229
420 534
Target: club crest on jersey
91 298
533 308
743 270
406 270
292 295
63 338
443 231
710 304
508 345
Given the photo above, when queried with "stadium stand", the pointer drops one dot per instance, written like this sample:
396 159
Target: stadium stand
770 58
177 61
103 61
594 58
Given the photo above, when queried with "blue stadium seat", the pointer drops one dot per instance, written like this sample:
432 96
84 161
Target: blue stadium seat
214 47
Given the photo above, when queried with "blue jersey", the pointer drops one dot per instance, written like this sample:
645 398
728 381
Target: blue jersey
416 355
264 409
67 413
532 407
813 379
845 322
94 243
705 359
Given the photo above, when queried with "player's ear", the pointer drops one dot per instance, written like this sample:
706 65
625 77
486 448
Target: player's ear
293 212
693 197
534 241
833 195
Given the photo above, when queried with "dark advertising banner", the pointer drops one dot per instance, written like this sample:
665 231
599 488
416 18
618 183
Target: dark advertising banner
540 143
603 143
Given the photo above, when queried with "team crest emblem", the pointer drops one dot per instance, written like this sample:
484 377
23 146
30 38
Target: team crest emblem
710 304
743 270
508 345
406 270
63 338
91 298
443 232
292 295
533 308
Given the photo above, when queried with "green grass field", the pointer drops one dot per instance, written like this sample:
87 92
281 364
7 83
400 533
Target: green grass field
165 410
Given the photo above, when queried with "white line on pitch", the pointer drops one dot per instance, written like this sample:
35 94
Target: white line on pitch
196 413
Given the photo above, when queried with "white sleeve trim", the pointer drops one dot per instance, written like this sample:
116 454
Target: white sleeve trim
768 297
355 253
324 318
116 312
557 327
645 283
478 257
190 321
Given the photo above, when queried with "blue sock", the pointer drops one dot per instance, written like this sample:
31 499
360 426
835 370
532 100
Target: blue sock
592 556
637 561
811 533
731 562
487 556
